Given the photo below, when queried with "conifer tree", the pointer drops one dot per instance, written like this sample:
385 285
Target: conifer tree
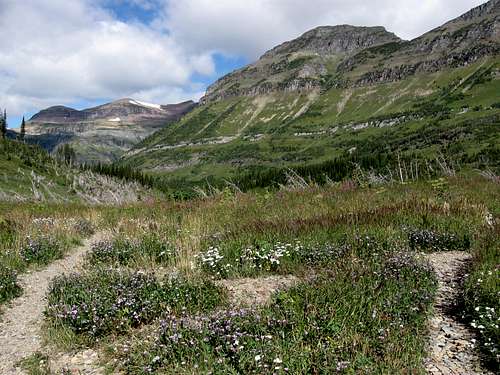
22 134
3 124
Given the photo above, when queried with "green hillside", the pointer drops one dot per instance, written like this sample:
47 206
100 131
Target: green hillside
29 173
454 112
344 93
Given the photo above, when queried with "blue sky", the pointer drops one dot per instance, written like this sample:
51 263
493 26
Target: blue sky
223 65
82 53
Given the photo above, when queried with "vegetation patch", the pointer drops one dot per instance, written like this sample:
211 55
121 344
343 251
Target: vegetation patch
106 301
482 291
9 287
365 317
431 240
41 250
148 249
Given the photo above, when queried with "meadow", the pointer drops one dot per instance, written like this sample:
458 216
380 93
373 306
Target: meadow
164 288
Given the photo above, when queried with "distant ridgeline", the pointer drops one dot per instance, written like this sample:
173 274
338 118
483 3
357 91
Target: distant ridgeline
340 100
337 102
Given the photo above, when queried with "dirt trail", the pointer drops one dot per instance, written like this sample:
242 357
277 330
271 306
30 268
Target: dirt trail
21 321
256 291
451 346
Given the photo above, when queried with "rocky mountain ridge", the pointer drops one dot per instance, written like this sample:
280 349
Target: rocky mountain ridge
105 132
348 56
341 90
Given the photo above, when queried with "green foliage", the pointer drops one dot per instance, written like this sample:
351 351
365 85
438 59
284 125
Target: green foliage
36 364
149 248
41 250
66 154
8 284
430 240
482 305
344 320
105 301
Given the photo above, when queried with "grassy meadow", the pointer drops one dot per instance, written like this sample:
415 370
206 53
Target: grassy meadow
152 296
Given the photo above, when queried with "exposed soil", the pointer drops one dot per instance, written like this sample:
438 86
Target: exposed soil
256 291
451 346
21 321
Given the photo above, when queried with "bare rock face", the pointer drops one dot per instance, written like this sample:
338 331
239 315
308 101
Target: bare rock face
335 40
105 132
346 56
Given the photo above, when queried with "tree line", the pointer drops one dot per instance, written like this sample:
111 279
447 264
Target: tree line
4 126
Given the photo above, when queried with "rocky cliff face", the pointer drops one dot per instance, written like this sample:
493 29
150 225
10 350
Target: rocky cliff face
299 64
105 132
348 56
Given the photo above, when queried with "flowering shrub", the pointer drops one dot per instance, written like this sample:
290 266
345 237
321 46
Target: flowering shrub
212 262
483 306
8 284
125 251
41 250
83 227
107 301
268 257
311 328
430 240
318 254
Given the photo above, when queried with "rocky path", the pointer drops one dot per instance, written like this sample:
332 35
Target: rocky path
20 323
451 347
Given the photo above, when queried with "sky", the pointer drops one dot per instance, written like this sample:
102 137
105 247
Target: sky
82 53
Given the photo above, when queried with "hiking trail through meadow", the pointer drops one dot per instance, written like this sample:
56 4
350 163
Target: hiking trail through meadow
22 319
451 347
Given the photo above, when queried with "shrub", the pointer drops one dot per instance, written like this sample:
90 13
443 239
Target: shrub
430 240
8 284
481 297
125 251
347 321
265 257
106 301
41 250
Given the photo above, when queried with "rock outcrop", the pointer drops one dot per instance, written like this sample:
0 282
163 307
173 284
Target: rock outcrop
348 56
105 132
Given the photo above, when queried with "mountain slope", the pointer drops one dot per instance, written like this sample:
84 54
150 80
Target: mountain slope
344 90
104 132
28 173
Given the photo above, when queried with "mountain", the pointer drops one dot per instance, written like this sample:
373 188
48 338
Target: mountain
343 91
104 132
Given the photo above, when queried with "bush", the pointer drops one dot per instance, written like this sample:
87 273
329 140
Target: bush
8 284
430 240
106 301
348 320
482 289
41 250
125 251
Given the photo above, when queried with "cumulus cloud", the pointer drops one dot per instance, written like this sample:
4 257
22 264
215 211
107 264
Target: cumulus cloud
62 52
242 27
59 51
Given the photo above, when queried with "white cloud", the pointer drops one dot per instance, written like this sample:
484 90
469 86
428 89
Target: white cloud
59 51
252 27
62 52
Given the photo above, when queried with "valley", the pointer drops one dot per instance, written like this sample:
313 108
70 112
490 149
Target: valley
331 208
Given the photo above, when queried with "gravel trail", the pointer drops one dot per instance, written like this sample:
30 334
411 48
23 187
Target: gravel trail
20 323
451 347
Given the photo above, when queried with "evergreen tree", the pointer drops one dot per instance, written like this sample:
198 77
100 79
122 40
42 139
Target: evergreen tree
3 125
22 134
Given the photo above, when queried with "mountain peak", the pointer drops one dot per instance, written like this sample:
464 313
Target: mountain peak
334 40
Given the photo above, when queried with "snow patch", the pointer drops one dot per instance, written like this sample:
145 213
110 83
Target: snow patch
144 104
116 119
